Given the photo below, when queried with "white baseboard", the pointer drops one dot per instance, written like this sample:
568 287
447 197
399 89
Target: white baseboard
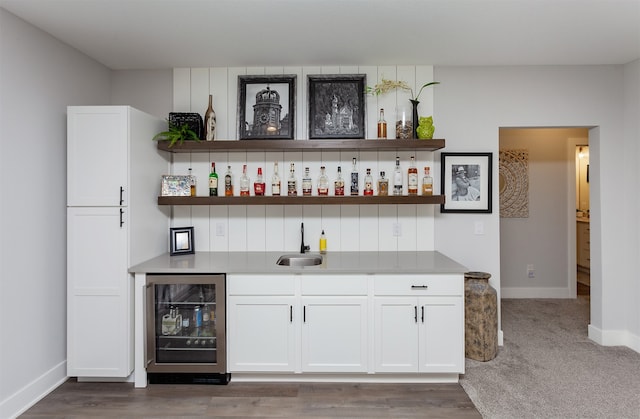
536 293
23 399
614 338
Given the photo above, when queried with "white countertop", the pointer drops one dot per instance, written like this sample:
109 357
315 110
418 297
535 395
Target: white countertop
426 262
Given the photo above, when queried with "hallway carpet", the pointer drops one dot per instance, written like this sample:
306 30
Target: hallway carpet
548 368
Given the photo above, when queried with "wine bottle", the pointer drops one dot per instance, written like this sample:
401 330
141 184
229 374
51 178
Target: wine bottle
412 177
228 182
213 181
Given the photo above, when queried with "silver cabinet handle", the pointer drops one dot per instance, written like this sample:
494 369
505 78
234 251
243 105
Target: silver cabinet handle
419 287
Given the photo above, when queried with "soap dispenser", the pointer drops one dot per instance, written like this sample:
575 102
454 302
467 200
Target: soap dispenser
323 243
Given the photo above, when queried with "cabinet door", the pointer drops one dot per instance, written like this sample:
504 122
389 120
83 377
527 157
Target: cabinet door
334 334
396 331
99 295
97 139
261 333
441 334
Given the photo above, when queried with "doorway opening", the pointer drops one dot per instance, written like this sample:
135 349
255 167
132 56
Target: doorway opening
538 246
583 226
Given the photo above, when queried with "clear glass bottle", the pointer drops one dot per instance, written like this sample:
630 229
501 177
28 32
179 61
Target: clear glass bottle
354 179
427 182
323 182
412 177
383 185
244 182
228 182
397 178
259 185
339 183
292 183
307 185
368 184
275 181
213 181
382 126
192 183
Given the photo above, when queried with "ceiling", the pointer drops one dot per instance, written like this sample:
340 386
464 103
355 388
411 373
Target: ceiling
156 34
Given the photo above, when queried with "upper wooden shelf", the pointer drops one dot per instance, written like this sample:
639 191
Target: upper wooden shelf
299 200
312 145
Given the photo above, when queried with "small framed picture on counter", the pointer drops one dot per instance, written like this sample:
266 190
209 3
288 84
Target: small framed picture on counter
181 241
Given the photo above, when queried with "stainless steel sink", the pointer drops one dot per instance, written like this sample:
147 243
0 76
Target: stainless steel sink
299 259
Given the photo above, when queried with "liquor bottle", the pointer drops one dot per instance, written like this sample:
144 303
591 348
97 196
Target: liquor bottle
275 181
397 178
412 177
368 184
382 125
206 315
213 181
427 182
244 182
323 182
210 121
323 243
339 183
292 183
383 185
306 183
228 182
192 183
354 179
259 185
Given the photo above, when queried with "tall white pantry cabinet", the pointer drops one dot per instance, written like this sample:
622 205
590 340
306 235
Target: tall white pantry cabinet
113 222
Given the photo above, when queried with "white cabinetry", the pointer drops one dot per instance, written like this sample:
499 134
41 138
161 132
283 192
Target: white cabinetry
113 222
419 323
334 323
297 323
260 326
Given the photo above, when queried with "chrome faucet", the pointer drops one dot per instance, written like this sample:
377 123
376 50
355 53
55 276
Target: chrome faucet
303 248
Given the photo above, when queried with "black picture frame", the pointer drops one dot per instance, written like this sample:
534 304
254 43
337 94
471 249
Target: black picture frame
468 172
337 106
266 107
181 241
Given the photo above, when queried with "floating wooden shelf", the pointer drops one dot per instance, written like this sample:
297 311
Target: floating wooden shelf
300 145
299 200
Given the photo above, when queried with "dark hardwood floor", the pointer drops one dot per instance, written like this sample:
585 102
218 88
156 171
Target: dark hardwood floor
299 400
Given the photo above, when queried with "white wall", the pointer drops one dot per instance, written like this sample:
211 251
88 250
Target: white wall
276 227
546 238
632 136
474 102
147 90
39 77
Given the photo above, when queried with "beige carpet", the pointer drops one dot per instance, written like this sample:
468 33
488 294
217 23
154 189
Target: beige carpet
548 368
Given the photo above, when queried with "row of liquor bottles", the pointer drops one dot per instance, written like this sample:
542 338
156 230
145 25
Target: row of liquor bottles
385 186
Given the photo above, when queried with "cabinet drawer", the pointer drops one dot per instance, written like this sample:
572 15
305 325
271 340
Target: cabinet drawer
261 284
419 284
334 285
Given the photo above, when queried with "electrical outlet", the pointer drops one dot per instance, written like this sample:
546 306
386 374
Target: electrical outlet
220 229
397 229
531 273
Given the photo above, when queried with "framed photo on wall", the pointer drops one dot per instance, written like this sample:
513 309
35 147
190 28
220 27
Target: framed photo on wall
337 106
466 182
181 241
266 107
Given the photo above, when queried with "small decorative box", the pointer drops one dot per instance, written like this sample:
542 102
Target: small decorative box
176 185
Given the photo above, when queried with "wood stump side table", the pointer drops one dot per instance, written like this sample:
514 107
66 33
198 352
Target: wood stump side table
480 317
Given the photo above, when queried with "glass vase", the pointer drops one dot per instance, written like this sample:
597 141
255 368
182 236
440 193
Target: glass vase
404 122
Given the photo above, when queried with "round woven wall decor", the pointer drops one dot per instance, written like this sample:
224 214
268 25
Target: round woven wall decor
514 183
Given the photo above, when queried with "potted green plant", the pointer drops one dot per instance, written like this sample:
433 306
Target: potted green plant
177 134
386 86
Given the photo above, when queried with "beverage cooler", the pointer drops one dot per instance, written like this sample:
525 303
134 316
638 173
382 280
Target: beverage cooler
186 327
